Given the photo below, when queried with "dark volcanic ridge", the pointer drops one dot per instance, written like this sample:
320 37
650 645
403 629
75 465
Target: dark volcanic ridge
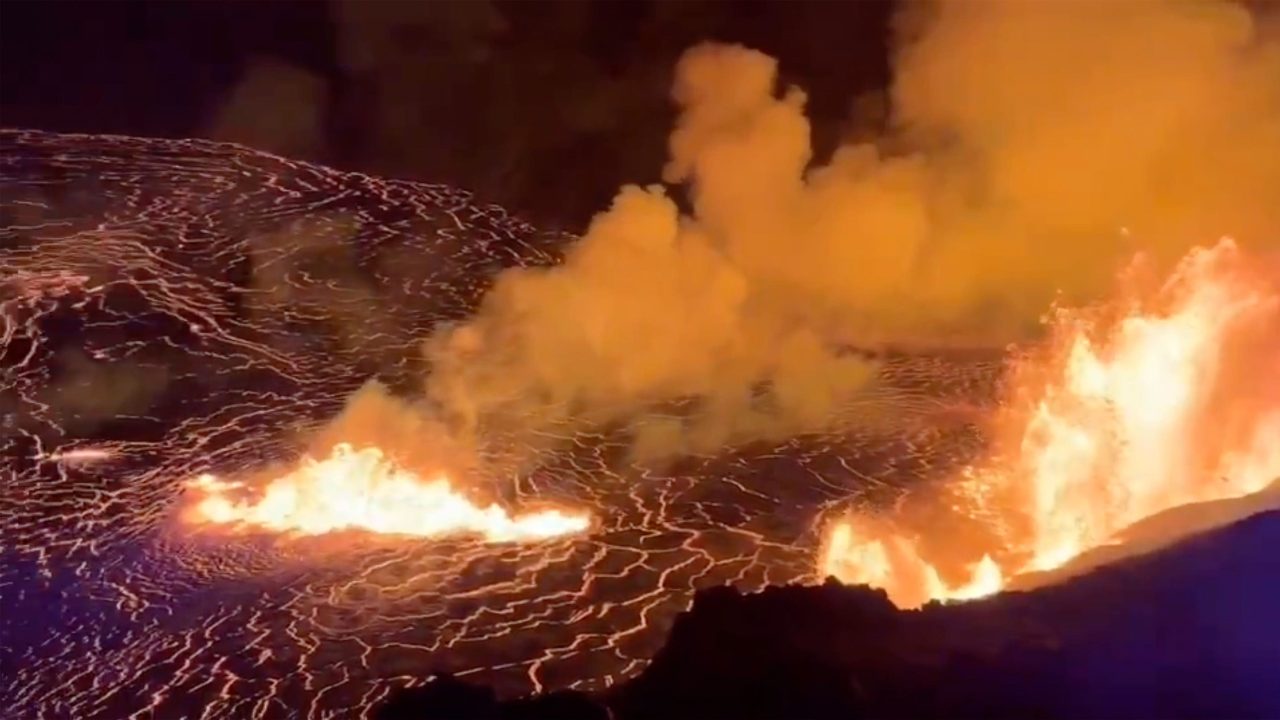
1187 632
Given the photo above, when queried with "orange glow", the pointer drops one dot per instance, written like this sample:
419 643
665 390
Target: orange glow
1134 409
363 490
883 559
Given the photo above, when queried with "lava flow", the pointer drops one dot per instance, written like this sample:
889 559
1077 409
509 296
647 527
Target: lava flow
364 490
1133 410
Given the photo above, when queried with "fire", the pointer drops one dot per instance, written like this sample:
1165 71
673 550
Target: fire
1135 409
894 562
80 455
364 490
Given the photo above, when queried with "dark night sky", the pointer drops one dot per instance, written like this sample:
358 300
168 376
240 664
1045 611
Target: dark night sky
500 97
147 68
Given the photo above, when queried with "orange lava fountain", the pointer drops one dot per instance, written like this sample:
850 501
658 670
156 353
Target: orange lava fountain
363 490
1133 410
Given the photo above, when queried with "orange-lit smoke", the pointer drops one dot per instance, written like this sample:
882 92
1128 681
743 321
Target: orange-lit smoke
1138 407
1033 147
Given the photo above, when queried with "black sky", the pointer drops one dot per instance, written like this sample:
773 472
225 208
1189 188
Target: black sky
499 96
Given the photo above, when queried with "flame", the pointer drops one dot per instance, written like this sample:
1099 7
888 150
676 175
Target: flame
1135 409
855 555
363 490
80 455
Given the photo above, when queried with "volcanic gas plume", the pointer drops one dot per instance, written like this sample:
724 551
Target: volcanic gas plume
996 189
1032 149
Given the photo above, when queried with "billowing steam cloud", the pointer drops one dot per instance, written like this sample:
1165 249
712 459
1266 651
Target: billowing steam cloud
1032 148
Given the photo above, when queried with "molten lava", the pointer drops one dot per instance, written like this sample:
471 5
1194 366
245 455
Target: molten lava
1134 409
363 490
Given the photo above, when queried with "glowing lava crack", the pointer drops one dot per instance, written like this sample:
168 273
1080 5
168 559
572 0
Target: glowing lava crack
364 490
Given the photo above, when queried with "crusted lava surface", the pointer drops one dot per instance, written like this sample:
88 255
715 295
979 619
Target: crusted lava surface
169 308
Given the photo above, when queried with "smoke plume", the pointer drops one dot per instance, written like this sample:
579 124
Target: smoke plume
1030 150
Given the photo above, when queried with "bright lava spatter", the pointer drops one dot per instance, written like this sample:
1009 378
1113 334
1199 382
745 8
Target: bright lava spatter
1153 404
174 308
363 489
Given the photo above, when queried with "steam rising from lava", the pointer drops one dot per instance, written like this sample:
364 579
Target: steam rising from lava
1032 148
1135 409
1016 169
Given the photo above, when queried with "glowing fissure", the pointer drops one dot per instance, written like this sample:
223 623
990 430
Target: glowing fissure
363 490
1128 418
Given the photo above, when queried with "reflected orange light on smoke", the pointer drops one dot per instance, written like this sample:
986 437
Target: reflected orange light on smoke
363 490
1127 415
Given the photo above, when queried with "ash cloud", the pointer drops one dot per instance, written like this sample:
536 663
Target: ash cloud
1030 150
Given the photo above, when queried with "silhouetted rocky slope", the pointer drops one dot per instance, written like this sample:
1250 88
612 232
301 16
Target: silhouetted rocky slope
1190 631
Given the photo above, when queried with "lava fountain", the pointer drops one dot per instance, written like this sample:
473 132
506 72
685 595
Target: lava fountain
364 490
1132 409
